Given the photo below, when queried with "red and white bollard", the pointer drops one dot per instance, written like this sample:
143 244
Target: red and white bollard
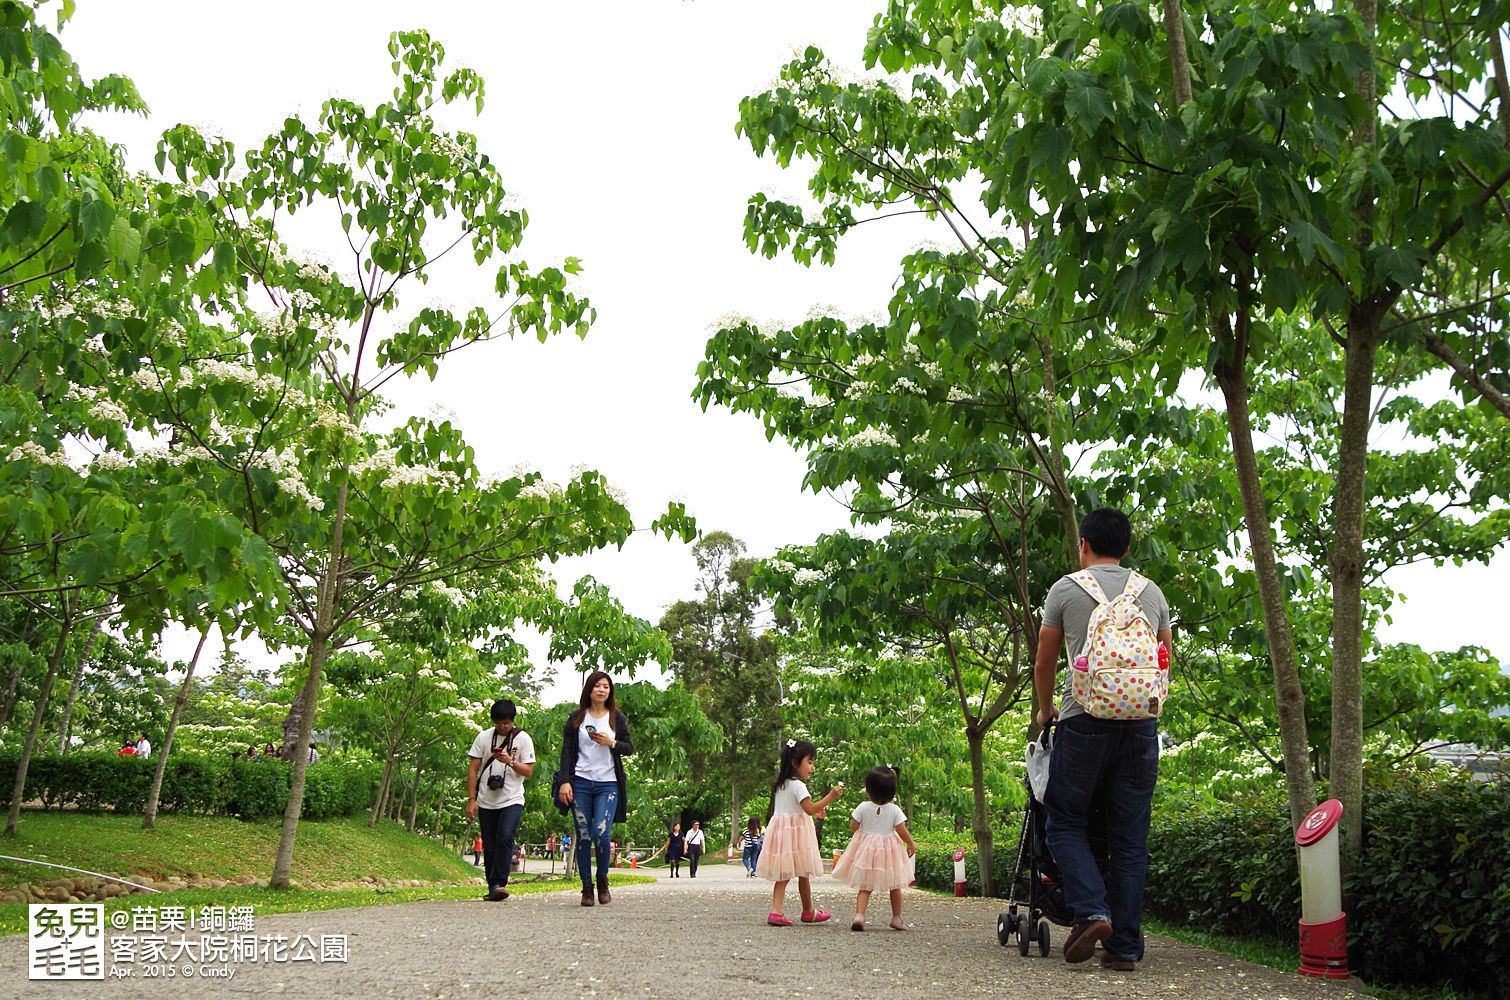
959 872
1323 925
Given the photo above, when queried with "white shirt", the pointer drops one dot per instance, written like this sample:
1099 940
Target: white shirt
696 837
788 799
595 762
143 748
512 792
878 821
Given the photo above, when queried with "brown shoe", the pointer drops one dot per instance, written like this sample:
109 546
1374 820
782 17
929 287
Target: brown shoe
1081 944
1110 961
604 896
587 898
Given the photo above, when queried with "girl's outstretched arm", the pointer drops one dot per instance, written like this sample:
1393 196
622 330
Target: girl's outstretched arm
854 825
816 808
912 848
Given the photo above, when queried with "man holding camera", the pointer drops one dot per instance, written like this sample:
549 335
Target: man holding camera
501 757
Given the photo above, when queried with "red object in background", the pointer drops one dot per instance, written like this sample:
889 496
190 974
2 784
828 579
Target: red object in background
960 885
1323 949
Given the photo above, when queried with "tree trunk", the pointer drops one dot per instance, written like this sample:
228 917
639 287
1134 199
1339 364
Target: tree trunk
735 826
69 607
150 817
1179 59
979 826
414 799
73 688
381 801
1345 561
1289 694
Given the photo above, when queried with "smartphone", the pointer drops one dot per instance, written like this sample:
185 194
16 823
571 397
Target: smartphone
591 729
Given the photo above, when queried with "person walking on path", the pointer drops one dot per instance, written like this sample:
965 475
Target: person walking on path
791 849
1115 761
593 745
749 841
695 840
675 846
477 850
877 858
500 758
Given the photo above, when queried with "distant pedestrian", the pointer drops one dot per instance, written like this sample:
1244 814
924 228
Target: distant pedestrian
676 845
695 840
477 850
877 858
128 749
749 841
143 746
793 848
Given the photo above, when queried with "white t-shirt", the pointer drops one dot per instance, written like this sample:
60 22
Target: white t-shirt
788 799
143 748
512 792
878 821
594 761
695 837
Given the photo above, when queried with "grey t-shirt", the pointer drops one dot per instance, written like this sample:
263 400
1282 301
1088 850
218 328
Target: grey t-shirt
1069 607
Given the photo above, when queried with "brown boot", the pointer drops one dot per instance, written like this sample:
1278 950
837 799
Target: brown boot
587 898
604 896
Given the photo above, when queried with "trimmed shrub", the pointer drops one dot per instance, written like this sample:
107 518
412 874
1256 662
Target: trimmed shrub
97 780
1428 899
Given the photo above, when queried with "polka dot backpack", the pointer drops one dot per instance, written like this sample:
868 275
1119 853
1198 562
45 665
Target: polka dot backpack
1120 673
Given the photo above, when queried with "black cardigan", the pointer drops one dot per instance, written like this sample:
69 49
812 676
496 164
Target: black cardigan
622 747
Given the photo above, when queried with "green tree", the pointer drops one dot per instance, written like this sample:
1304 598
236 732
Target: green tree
722 655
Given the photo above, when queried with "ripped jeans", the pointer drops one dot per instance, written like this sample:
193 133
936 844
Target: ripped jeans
592 808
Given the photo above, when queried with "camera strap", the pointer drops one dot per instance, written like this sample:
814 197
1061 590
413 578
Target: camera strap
508 746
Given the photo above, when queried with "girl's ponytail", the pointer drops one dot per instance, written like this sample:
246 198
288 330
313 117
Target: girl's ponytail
794 753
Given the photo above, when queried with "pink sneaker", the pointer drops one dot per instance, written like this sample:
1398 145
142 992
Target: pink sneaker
816 918
777 920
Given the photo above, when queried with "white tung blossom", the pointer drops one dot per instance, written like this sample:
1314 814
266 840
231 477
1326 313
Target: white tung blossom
781 566
295 487
807 576
35 452
541 489
111 461
871 437
907 385
106 410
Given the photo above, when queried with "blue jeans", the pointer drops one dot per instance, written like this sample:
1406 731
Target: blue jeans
1114 765
751 855
592 807
499 828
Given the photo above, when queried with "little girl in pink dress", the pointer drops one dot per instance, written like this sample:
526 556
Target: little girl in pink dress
876 859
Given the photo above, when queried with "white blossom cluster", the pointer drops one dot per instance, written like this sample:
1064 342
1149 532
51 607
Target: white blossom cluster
933 370
146 378
215 370
804 576
449 593
448 147
333 420
111 461
781 566
35 452
870 437
295 487
541 489
107 410
311 271
618 496
907 385
386 461
865 360
957 395
1026 19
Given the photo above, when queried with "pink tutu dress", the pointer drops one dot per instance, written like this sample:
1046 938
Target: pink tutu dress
791 839
876 859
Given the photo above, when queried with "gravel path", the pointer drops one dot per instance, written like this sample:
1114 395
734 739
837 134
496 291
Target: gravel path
682 939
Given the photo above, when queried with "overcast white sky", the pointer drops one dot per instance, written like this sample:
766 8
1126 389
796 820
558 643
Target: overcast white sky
614 121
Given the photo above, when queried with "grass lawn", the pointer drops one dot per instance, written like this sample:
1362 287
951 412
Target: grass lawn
341 850
213 847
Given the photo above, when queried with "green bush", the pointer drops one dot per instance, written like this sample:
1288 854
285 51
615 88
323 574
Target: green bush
98 780
935 865
1428 900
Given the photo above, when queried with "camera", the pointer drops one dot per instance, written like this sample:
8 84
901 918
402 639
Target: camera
495 781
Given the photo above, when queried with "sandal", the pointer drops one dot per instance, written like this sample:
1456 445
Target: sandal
858 924
816 918
777 920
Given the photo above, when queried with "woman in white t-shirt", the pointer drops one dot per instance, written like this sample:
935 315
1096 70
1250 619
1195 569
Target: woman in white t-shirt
595 739
876 859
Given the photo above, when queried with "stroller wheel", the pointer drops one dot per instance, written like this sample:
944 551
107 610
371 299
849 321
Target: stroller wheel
1043 938
1006 923
1024 939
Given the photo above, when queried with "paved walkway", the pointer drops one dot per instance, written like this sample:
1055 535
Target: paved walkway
683 939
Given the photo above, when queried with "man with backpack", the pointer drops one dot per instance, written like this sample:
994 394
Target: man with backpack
1106 742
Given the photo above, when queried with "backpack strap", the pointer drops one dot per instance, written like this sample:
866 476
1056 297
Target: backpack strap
1091 585
1136 583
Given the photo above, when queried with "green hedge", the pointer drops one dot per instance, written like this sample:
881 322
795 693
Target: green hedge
1428 900
192 783
935 865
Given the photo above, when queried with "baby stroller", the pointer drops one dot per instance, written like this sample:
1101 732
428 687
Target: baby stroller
1035 876
1035 880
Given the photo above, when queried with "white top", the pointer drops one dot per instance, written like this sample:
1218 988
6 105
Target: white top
696 837
788 799
595 762
512 792
878 821
143 748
